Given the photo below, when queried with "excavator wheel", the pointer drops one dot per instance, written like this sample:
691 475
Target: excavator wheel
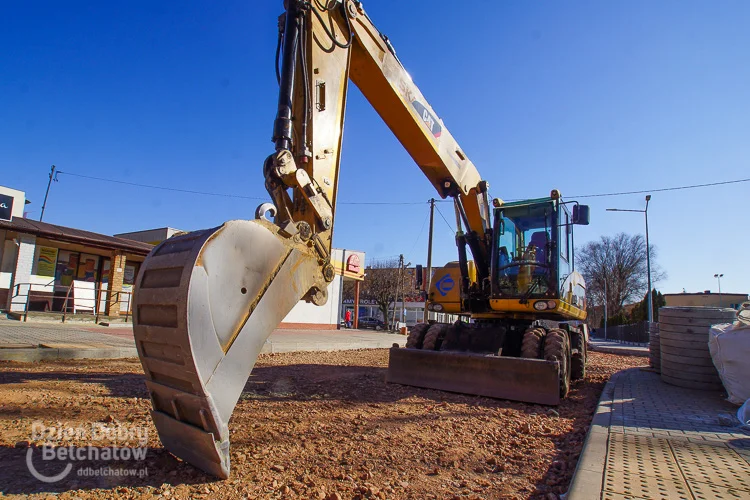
531 346
557 348
434 336
578 358
416 335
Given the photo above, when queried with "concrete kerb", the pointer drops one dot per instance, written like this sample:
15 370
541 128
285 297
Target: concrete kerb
623 351
588 478
40 354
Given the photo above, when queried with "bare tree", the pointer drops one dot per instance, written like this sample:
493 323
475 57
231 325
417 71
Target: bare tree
381 284
620 262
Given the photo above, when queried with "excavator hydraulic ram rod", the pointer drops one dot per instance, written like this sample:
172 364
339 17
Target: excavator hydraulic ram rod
205 303
517 379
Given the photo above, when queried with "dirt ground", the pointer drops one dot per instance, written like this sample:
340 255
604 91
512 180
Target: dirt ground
309 425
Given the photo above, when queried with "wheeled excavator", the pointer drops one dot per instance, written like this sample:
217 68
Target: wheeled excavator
205 302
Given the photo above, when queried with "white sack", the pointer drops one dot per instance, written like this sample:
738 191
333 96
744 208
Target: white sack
729 345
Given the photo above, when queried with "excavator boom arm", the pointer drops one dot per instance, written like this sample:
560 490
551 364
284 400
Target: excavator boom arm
206 302
325 46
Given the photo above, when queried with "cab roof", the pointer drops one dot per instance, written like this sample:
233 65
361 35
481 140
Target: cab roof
521 203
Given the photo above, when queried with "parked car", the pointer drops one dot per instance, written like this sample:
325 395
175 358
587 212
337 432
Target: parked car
371 322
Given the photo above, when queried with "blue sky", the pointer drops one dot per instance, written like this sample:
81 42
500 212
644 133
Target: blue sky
587 97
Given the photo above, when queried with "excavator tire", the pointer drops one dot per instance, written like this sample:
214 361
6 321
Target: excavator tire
435 333
557 348
531 346
416 335
578 358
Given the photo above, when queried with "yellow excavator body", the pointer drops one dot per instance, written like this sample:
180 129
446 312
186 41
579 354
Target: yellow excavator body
206 301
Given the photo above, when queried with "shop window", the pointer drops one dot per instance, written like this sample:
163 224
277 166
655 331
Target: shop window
67 264
131 271
88 268
106 263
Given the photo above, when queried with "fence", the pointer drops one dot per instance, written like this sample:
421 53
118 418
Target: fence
78 301
636 333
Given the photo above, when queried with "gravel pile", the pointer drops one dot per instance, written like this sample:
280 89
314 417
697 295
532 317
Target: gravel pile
321 425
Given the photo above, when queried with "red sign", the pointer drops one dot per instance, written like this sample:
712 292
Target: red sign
352 263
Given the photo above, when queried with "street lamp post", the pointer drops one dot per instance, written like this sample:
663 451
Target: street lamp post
605 308
718 277
648 254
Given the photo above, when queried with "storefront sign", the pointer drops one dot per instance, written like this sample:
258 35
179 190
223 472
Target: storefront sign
352 263
368 302
6 207
47 261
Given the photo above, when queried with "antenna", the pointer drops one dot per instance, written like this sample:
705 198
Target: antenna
52 177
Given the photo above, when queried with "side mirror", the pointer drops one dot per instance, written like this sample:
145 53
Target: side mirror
581 215
419 273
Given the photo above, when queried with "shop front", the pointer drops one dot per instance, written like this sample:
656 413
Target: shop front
45 267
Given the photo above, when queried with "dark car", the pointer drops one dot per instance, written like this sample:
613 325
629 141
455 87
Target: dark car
371 322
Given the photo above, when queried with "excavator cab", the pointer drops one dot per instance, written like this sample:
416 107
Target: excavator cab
533 258
525 250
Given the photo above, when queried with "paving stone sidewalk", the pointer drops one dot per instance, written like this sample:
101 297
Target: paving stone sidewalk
622 349
34 342
651 440
31 335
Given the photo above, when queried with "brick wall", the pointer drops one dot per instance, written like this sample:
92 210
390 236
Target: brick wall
116 275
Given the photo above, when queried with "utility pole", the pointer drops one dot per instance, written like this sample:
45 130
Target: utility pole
403 291
52 177
648 266
398 287
428 278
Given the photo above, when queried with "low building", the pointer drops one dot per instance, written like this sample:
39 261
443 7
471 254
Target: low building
46 267
349 267
706 299
51 268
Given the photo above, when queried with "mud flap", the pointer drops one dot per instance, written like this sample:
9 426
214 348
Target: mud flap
517 379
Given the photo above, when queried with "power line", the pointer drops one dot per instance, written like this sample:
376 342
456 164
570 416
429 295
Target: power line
676 188
383 203
225 195
380 203
421 230
163 188
446 221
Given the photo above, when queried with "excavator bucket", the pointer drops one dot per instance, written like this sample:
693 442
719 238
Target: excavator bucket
517 379
205 303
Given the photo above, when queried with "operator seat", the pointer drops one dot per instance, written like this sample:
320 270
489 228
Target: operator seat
539 240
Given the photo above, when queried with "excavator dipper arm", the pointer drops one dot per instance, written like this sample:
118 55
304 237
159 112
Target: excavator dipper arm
206 302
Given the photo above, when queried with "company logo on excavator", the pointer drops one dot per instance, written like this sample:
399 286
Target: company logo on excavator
445 285
428 118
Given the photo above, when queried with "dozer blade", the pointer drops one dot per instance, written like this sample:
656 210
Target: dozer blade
518 379
205 303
